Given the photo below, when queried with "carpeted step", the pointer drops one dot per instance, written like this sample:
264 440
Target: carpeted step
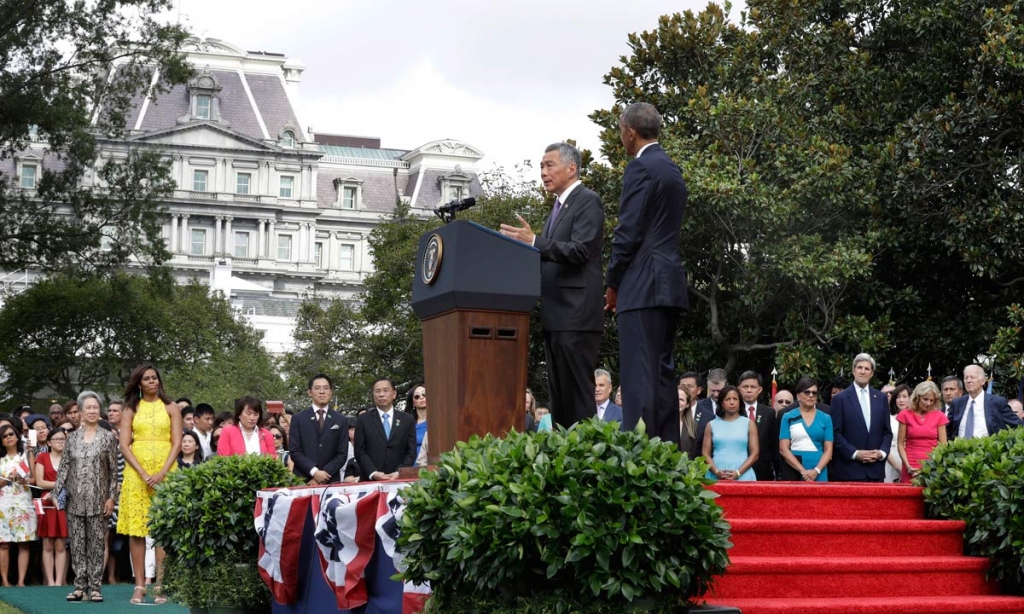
880 605
855 577
845 501
813 537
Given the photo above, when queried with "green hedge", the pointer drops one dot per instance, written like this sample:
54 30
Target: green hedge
981 481
591 515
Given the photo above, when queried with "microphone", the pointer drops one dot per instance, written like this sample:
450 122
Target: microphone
447 212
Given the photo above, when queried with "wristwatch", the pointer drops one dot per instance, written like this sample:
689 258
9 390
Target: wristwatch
816 471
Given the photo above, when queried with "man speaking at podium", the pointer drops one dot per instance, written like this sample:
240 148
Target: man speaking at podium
571 305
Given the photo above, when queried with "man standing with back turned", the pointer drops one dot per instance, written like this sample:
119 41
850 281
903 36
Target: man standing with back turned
646 282
570 283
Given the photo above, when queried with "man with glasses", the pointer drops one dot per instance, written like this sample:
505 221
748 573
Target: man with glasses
318 437
783 401
385 437
863 435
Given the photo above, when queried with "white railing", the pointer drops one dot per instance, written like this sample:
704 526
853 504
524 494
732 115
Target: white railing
366 162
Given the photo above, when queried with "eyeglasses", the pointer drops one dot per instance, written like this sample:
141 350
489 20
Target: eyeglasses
278 436
12 434
56 439
419 396
810 393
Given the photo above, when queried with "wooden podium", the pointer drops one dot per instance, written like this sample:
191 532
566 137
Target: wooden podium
474 291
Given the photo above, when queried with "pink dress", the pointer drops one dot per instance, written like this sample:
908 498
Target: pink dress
922 436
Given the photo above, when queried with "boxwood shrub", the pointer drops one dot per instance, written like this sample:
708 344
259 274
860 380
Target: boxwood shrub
981 482
203 517
591 518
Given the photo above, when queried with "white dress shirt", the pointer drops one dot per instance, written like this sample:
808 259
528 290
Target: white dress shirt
603 407
980 425
639 153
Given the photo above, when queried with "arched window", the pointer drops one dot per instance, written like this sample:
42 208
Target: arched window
288 138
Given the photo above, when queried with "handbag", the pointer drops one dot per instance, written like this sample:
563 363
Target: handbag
792 475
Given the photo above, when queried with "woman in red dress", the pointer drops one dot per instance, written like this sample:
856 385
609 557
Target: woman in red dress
53 523
922 427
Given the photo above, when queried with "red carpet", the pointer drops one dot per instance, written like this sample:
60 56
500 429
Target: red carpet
847 549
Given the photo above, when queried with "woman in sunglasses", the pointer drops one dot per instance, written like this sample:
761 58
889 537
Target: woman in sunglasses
281 445
416 404
805 437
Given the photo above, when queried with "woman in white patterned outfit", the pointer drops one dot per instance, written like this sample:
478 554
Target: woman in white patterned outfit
17 516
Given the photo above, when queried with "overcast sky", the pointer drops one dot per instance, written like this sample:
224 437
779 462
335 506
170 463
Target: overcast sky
506 77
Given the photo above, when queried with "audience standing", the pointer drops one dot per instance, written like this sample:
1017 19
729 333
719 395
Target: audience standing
191 453
763 418
978 414
783 400
246 435
606 409
385 437
922 426
806 437
952 388
731 440
204 415
899 400
416 404
687 425
88 474
52 524
17 516
150 440
863 435
318 437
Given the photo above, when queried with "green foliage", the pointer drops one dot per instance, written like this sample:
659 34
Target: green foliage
71 332
223 584
1008 350
851 168
203 515
586 515
56 71
980 482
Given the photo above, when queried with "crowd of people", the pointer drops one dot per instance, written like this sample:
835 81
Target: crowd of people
80 479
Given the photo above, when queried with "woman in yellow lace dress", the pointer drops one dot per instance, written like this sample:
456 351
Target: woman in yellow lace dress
150 441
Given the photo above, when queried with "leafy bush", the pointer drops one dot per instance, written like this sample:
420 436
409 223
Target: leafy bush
980 482
203 514
203 517
585 516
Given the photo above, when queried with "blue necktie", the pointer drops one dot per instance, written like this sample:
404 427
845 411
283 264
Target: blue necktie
865 406
969 426
387 426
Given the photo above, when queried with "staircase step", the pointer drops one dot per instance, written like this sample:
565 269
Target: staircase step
845 501
880 605
854 577
867 538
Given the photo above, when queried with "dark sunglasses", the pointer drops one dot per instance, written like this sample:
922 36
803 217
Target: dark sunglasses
278 436
810 393
419 396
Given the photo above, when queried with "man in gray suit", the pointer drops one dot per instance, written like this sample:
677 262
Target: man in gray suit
571 284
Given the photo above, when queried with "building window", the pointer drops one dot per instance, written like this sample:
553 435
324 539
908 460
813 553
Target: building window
455 192
241 245
242 182
347 257
106 243
348 197
318 254
284 247
288 139
286 186
204 104
200 179
28 176
198 242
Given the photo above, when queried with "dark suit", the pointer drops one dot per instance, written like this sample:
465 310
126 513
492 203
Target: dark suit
646 271
768 437
375 452
571 303
851 434
998 415
325 449
703 414
612 413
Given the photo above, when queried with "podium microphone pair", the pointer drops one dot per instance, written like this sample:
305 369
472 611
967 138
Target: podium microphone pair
447 212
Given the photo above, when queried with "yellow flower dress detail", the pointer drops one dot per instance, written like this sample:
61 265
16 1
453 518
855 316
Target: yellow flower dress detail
151 444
